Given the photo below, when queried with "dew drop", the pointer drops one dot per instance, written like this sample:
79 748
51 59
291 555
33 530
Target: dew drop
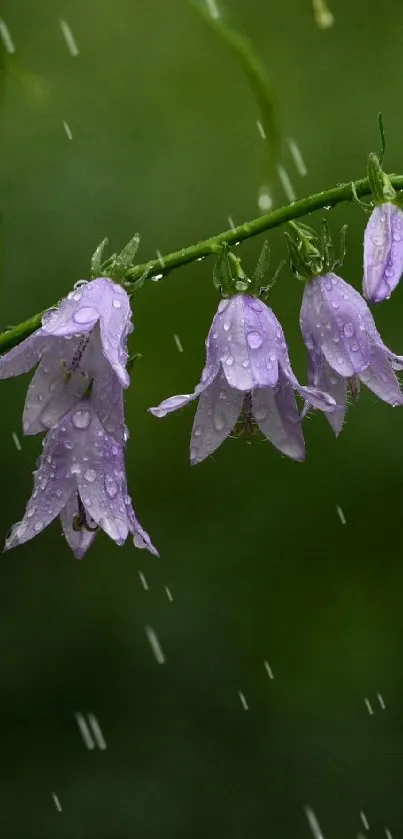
81 419
254 340
219 421
348 330
85 314
110 486
223 304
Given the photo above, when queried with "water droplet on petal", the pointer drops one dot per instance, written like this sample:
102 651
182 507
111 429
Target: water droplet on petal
77 296
85 314
254 340
229 360
116 303
30 511
197 431
245 363
223 304
90 475
81 419
110 486
38 526
348 330
68 444
59 493
21 530
219 421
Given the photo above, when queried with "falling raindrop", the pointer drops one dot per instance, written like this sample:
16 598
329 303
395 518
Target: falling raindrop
341 514
178 342
57 802
71 42
381 701
261 129
296 155
143 581
155 644
160 258
156 277
84 730
286 183
16 441
369 706
97 732
313 823
6 37
364 820
67 129
168 594
213 9
243 701
268 669
231 223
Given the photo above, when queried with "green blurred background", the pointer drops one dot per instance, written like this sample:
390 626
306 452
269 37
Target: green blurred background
258 563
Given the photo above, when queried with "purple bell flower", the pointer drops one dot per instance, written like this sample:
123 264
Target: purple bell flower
81 478
344 344
383 252
247 372
83 341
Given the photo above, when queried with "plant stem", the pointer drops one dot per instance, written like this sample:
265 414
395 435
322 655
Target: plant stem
161 267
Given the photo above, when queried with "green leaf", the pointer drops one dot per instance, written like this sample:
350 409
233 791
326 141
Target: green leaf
96 260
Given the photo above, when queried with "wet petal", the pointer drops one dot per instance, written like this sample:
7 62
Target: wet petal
174 403
217 412
141 538
78 540
336 318
321 376
53 485
99 300
24 356
380 378
276 414
249 340
383 252
101 482
54 389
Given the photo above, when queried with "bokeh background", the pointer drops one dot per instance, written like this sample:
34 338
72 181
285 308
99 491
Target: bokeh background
258 563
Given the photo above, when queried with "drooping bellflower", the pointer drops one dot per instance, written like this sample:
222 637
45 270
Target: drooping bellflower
80 343
383 252
344 344
81 478
247 372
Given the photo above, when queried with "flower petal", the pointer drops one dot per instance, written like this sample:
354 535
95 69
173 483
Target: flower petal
383 252
78 540
141 538
321 376
24 356
249 340
217 412
336 318
276 414
380 378
174 403
54 389
99 300
53 485
101 481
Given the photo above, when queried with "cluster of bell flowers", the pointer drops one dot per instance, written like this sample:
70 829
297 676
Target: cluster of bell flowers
80 354
76 397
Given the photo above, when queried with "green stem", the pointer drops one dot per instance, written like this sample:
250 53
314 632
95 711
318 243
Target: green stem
158 268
